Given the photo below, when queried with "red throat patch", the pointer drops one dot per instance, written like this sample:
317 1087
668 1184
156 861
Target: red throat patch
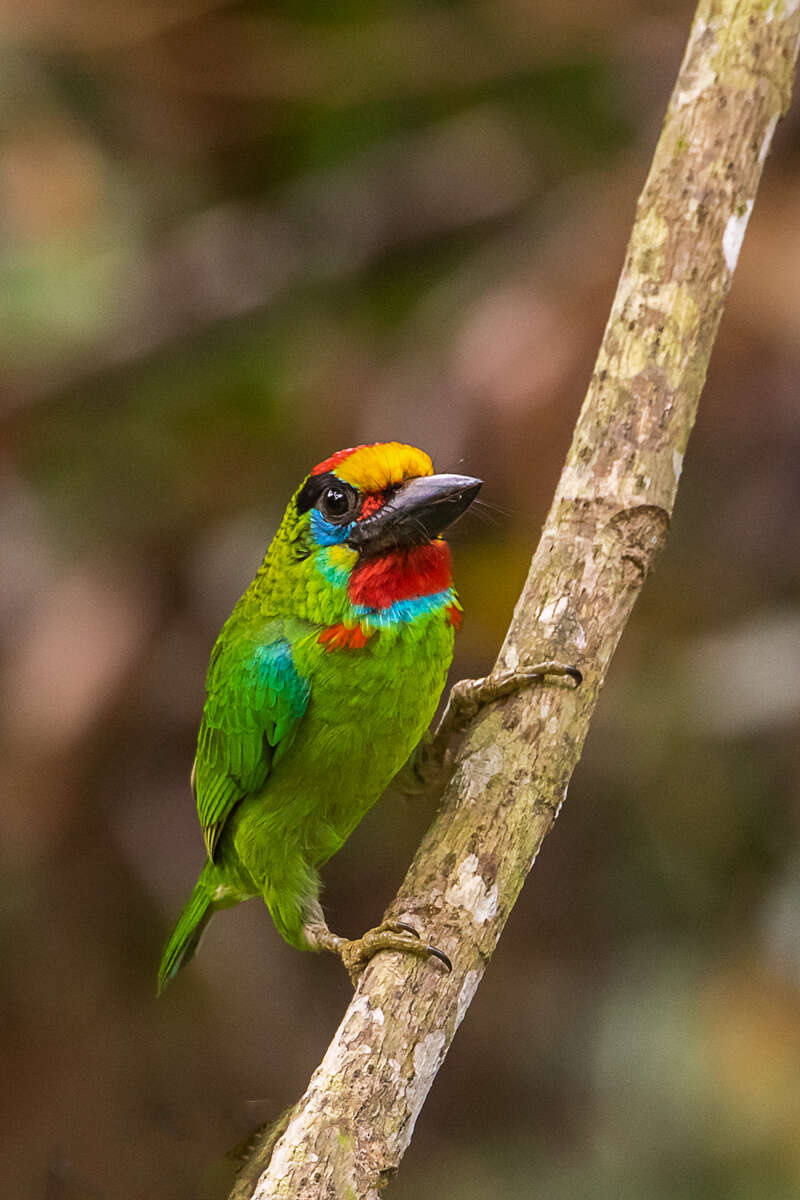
401 575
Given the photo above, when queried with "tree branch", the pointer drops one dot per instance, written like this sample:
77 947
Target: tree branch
608 521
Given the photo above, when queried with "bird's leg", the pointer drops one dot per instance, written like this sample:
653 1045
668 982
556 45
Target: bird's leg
355 953
422 770
469 696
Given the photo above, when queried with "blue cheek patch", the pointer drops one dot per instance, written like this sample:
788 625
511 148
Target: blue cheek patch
327 534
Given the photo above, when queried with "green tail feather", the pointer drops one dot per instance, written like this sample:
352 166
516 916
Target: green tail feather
186 935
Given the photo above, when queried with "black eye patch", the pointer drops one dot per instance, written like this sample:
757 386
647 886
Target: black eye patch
312 489
336 500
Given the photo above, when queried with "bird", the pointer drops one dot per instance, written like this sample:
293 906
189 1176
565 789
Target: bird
322 682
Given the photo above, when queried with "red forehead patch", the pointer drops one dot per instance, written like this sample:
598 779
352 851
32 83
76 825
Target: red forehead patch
329 464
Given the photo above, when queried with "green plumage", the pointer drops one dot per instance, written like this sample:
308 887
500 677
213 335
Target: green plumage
299 737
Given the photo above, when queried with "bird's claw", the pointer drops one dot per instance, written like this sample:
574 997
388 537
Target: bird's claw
469 696
390 935
430 950
355 953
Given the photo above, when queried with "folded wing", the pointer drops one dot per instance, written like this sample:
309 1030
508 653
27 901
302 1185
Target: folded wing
255 702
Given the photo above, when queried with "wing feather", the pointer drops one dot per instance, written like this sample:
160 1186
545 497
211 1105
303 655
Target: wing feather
255 701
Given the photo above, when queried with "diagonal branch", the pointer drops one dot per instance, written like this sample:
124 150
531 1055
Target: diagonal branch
608 521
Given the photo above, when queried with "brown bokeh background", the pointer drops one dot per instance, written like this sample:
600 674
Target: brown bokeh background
235 237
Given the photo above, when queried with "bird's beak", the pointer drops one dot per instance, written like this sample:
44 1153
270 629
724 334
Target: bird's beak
419 510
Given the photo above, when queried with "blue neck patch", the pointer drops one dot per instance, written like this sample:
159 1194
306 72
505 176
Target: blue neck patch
403 612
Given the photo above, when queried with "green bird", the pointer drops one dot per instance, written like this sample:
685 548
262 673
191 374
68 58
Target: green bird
321 684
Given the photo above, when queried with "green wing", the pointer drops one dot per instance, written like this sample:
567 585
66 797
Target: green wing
255 701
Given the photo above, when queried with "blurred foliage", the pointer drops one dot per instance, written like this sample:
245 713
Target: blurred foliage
234 238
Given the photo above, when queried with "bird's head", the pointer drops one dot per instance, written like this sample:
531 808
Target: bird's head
369 521
385 497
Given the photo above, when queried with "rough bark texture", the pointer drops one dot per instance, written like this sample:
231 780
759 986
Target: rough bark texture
608 521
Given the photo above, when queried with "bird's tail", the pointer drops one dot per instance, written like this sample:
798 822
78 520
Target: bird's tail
186 935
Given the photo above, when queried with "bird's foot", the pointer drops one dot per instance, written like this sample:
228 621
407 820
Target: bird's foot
469 696
355 953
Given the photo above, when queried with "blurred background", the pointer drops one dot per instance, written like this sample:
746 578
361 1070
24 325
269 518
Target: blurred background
235 237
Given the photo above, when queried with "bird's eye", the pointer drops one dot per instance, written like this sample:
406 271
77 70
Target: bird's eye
338 504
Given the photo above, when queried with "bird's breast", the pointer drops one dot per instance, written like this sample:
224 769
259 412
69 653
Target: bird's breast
370 706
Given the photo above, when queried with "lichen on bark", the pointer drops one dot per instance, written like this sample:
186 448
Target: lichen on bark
608 521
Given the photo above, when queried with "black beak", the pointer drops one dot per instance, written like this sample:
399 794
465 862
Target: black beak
418 511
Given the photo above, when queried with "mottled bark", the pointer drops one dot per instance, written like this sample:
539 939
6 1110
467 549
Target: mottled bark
608 521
